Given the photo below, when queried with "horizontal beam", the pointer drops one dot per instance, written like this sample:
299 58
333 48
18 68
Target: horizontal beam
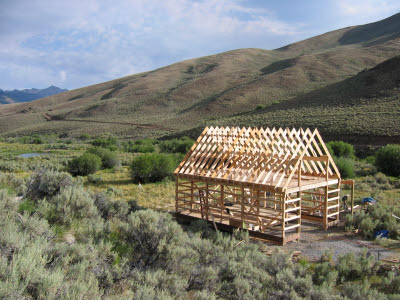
292 227
312 186
314 158
261 235
348 181
292 209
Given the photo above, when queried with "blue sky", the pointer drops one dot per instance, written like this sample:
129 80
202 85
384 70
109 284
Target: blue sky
76 43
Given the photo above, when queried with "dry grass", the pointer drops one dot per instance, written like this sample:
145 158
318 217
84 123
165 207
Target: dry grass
17 148
160 196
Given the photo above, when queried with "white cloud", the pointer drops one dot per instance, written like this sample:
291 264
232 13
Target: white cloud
368 10
63 75
96 40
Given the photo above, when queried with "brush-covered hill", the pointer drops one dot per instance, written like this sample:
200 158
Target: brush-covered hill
363 109
192 93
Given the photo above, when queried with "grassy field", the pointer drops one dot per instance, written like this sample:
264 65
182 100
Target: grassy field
159 196
118 184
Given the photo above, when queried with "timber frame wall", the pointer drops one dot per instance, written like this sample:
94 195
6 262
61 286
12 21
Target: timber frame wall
262 180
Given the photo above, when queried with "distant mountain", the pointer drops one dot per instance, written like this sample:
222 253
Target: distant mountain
27 95
327 81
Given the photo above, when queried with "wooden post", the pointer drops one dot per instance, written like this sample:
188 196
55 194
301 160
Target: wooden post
283 208
338 200
222 200
176 194
298 229
327 169
325 216
242 208
191 194
206 201
352 198
299 175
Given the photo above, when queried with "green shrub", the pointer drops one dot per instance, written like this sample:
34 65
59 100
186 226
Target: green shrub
354 267
11 181
153 237
7 203
9 166
378 217
361 291
341 149
108 158
84 137
345 166
108 208
72 203
110 143
388 160
112 191
370 160
181 145
27 206
364 169
79 245
95 179
367 227
47 183
84 165
324 273
392 283
140 146
152 167
377 182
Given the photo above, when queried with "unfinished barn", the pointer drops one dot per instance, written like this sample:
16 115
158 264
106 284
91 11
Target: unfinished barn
262 180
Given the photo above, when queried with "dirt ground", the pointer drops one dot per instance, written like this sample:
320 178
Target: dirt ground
315 241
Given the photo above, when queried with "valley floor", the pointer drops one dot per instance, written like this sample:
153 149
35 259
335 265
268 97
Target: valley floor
161 196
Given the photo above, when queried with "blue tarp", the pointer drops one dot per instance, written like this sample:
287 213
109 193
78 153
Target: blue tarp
368 200
381 233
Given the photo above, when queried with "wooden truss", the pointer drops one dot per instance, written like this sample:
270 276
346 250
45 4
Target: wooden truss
264 180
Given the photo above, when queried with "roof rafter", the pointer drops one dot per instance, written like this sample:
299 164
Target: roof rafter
271 157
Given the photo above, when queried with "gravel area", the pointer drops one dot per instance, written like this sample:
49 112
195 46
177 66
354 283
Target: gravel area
315 241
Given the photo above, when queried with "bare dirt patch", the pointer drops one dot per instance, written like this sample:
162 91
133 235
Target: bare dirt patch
315 241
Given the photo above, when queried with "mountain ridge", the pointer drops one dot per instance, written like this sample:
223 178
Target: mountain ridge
26 95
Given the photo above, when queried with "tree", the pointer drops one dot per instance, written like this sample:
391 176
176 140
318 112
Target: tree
108 158
85 164
152 167
341 149
388 160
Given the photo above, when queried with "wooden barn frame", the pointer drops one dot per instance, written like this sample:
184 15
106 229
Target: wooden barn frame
262 180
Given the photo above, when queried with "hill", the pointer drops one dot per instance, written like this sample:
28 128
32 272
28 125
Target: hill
222 88
27 95
363 109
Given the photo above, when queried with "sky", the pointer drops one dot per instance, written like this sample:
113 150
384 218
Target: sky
76 43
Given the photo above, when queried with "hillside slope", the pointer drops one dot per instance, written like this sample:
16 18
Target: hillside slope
364 109
195 92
